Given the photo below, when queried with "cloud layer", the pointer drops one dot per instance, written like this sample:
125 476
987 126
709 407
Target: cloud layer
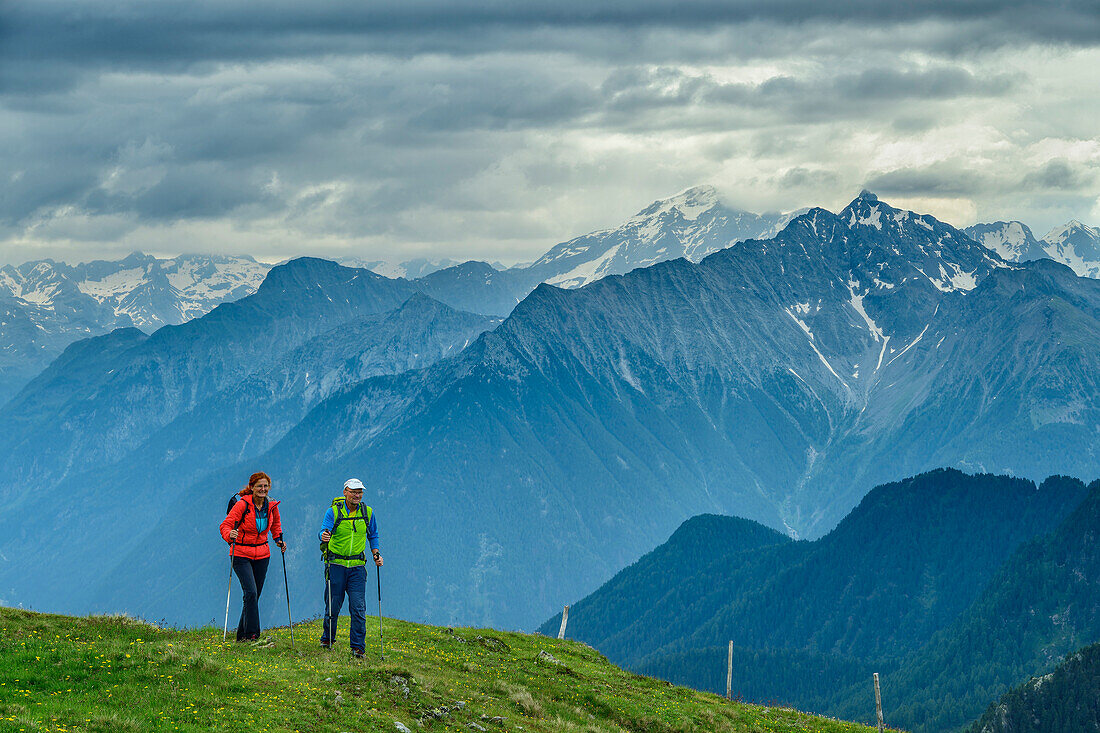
493 130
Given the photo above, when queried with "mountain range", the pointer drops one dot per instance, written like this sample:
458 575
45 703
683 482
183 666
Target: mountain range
45 305
955 587
691 224
778 380
1074 244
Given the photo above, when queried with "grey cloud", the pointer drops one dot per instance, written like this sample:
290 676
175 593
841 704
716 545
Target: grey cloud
220 139
801 177
634 91
1059 175
428 121
936 83
940 179
505 102
165 34
1058 178
908 124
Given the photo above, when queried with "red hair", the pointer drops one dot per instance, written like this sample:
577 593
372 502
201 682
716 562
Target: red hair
253 480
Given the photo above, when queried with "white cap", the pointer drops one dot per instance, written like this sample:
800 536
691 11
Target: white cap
354 483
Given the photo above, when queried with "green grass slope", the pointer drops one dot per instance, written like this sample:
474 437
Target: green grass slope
114 674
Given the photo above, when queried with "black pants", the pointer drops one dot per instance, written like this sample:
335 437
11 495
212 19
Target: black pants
251 573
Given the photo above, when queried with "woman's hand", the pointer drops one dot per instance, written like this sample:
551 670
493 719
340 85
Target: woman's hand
282 546
326 536
233 534
377 558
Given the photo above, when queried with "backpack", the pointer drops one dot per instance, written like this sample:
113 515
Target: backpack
336 523
232 503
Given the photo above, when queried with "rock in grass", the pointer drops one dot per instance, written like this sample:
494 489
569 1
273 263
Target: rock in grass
491 642
401 682
401 727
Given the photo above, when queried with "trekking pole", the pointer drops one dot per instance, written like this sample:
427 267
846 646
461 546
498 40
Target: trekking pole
381 646
229 587
329 626
286 585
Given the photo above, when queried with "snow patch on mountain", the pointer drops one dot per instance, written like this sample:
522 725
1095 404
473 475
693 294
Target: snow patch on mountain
151 291
1073 244
113 286
689 204
409 269
586 271
1076 245
948 282
872 218
856 301
813 345
1012 240
692 224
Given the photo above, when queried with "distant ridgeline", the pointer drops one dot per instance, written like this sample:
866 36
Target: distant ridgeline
516 463
1067 699
953 587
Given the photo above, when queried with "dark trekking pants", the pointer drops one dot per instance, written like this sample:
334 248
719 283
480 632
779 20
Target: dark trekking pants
251 573
353 583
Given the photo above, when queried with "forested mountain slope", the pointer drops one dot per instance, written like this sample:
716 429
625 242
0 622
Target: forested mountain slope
1066 699
953 586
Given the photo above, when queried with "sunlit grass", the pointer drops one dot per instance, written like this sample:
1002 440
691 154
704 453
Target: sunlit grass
111 674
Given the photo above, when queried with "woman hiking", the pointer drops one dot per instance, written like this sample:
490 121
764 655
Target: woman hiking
246 528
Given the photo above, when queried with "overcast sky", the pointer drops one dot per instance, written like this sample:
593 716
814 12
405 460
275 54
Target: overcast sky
493 130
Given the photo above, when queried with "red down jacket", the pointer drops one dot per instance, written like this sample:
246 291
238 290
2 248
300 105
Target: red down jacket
250 543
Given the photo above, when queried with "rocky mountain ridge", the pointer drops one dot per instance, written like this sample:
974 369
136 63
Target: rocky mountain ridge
778 379
1073 244
692 224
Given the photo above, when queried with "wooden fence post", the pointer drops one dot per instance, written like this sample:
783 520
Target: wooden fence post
878 704
729 674
564 621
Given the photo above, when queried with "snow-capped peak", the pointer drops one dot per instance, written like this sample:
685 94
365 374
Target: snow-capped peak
689 203
1012 240
1058 235
1076 245
693 224
138 290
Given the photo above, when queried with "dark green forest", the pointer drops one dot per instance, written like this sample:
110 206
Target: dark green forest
1066 699
953 587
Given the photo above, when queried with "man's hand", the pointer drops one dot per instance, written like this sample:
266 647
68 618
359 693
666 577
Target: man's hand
377 558
326 536
282 545
233 534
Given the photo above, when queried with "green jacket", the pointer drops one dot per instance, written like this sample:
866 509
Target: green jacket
350 532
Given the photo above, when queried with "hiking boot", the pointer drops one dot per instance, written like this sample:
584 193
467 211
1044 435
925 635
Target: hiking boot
357 653
325 644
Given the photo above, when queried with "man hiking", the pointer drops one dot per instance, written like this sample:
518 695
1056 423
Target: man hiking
348 526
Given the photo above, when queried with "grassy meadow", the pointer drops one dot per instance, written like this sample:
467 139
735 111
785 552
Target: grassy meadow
112 674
